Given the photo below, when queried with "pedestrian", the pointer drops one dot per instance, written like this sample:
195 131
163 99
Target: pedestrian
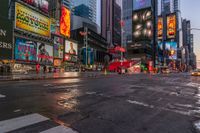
37 68
44 69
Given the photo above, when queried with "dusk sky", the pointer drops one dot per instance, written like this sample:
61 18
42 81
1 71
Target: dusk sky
190 10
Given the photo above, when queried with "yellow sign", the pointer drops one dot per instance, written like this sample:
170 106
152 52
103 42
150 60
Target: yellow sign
30 20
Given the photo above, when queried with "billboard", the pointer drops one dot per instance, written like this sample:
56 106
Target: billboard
71 58
171 48
6 44
65 22
160 28
141 4
45 54
71 47
142 25
58 47
171 26
25 50
42 5
32 21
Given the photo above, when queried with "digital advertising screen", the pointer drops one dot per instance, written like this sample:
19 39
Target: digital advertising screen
45 53
171 48
142 25
71 47
141 4
29 20
58 47
160 28
171 26
65 22
42 5
71 58
25 50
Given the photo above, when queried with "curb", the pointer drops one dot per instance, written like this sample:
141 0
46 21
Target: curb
53 78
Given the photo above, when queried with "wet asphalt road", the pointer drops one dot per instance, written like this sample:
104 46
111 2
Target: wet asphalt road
111 104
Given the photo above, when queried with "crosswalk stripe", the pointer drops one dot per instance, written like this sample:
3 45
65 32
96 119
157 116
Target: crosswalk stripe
2 96
20 122
59 129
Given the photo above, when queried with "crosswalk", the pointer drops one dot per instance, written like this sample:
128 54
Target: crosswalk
2 96
30 122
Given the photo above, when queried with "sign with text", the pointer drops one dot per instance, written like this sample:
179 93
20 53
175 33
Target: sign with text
29 20
6 39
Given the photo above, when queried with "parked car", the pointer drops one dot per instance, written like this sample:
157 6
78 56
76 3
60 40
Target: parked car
196 73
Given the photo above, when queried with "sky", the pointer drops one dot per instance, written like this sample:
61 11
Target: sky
190 9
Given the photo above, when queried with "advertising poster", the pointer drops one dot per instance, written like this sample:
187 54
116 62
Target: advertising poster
71 58
29 20
45 54
142 25
58 47
89 57
71 47
6 44
160 28
140 4
171 48
42 5
25 50
65 22
171 26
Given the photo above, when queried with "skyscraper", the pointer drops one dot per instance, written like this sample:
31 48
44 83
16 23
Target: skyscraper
86 9
110 21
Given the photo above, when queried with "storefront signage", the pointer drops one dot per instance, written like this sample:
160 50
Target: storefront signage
6 39
29 20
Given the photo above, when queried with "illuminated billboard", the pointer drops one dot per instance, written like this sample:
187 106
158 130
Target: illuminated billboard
71 47
141 4
42 5
45 54
142 25
160 28
58 47
171 48
25 50
171 26
65 22
32 21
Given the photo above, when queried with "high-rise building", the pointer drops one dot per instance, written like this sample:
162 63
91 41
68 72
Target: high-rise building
111 21
86 9
127 6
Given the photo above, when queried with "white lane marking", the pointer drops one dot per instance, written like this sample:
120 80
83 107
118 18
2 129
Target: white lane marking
90 93
59 129
66 86
140 103
197 125
191 84
19 122
2 96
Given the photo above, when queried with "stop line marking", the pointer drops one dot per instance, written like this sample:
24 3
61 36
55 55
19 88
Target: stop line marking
2 96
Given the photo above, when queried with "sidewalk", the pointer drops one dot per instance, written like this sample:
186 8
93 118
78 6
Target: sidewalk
41 76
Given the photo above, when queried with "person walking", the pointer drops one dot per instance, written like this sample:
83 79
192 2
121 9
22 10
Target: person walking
44 69
37 68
